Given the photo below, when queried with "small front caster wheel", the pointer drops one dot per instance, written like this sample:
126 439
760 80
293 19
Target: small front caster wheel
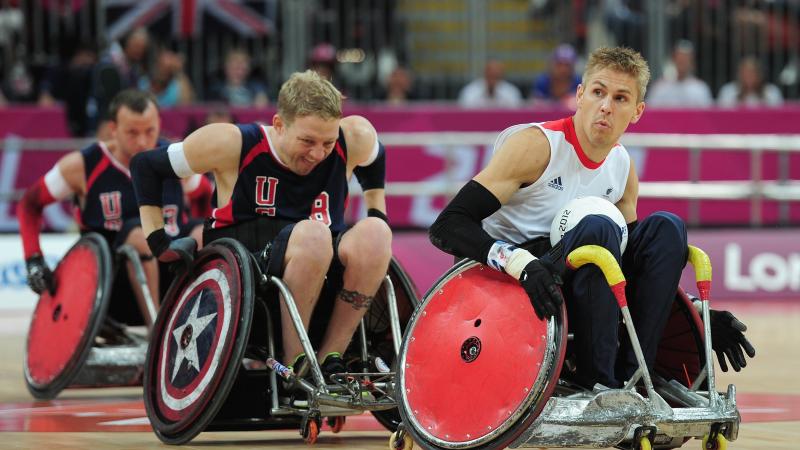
720 443
397 442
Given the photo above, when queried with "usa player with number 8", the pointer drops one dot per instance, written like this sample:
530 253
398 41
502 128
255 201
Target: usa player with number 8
281 190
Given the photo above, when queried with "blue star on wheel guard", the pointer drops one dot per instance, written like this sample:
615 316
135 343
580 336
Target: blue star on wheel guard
192 339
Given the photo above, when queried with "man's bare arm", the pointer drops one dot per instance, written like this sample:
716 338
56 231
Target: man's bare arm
519 161
361 139
627 204
212 148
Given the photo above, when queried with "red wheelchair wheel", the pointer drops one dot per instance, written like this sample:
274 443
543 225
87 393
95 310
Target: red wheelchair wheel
198 342
681 352
476 365
63 326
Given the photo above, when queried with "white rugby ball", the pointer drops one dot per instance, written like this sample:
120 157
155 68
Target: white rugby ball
577 209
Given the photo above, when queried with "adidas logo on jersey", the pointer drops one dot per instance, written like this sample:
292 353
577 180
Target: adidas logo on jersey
555 183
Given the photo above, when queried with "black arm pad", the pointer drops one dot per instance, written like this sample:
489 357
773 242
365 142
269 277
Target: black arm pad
374 212
148 170
373 176
458 230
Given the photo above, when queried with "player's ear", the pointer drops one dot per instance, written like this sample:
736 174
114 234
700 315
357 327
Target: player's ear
277 123
639 111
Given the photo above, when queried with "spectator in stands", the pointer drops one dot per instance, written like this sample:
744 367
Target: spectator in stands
238 89
323 60
559 83
19 86
129 57
491 91
625 20
399 87
749 89
121 67
680 88
70 83
167 81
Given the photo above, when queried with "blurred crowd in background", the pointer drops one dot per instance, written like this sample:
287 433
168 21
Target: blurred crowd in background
528 53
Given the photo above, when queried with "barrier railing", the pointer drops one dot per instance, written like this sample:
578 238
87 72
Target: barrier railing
756 189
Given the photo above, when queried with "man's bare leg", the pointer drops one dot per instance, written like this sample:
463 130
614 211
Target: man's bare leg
308 257
365 251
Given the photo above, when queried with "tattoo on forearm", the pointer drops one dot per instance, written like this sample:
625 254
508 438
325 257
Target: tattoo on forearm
356 299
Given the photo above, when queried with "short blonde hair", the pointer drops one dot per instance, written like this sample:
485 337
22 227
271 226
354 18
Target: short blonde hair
620 59
308 94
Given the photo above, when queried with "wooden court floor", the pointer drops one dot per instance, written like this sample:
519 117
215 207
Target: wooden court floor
769 400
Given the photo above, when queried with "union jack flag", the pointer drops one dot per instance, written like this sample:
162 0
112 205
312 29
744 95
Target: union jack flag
187 16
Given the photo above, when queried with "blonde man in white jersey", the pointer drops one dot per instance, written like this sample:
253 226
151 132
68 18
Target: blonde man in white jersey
502 218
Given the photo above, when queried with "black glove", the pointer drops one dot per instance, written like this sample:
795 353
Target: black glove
169 251
541 281
727 339
40 278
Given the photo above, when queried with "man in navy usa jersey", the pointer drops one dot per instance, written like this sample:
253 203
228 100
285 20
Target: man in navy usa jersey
99 179
502 218
286 184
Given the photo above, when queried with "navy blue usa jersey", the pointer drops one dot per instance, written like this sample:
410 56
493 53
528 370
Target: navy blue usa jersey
110 200
266 187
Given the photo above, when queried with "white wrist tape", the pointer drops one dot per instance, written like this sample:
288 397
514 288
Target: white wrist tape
178 160
517 261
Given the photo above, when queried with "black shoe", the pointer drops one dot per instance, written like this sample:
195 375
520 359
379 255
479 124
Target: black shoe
332 365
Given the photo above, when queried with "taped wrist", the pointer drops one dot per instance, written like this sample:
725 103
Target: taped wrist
458 229
149 169
158 241
517 261
373 175
374 212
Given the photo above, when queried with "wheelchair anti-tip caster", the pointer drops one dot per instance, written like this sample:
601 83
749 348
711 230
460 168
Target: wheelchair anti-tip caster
309 429
336 423
400 440
718 443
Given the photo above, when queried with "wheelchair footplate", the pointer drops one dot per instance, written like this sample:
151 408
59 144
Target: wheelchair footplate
348 393
616 417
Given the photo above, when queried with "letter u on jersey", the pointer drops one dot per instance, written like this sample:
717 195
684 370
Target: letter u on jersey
266 200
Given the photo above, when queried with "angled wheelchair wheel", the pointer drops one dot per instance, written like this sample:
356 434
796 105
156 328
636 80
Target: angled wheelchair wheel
198 342
63 326
681 353
476 365
379 332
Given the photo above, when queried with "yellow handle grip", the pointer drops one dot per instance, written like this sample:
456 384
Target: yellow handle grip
701 262
702 271
600 257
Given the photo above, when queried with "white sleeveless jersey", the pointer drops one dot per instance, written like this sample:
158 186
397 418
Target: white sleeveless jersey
569 174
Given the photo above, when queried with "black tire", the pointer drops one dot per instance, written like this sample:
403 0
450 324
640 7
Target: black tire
379 333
